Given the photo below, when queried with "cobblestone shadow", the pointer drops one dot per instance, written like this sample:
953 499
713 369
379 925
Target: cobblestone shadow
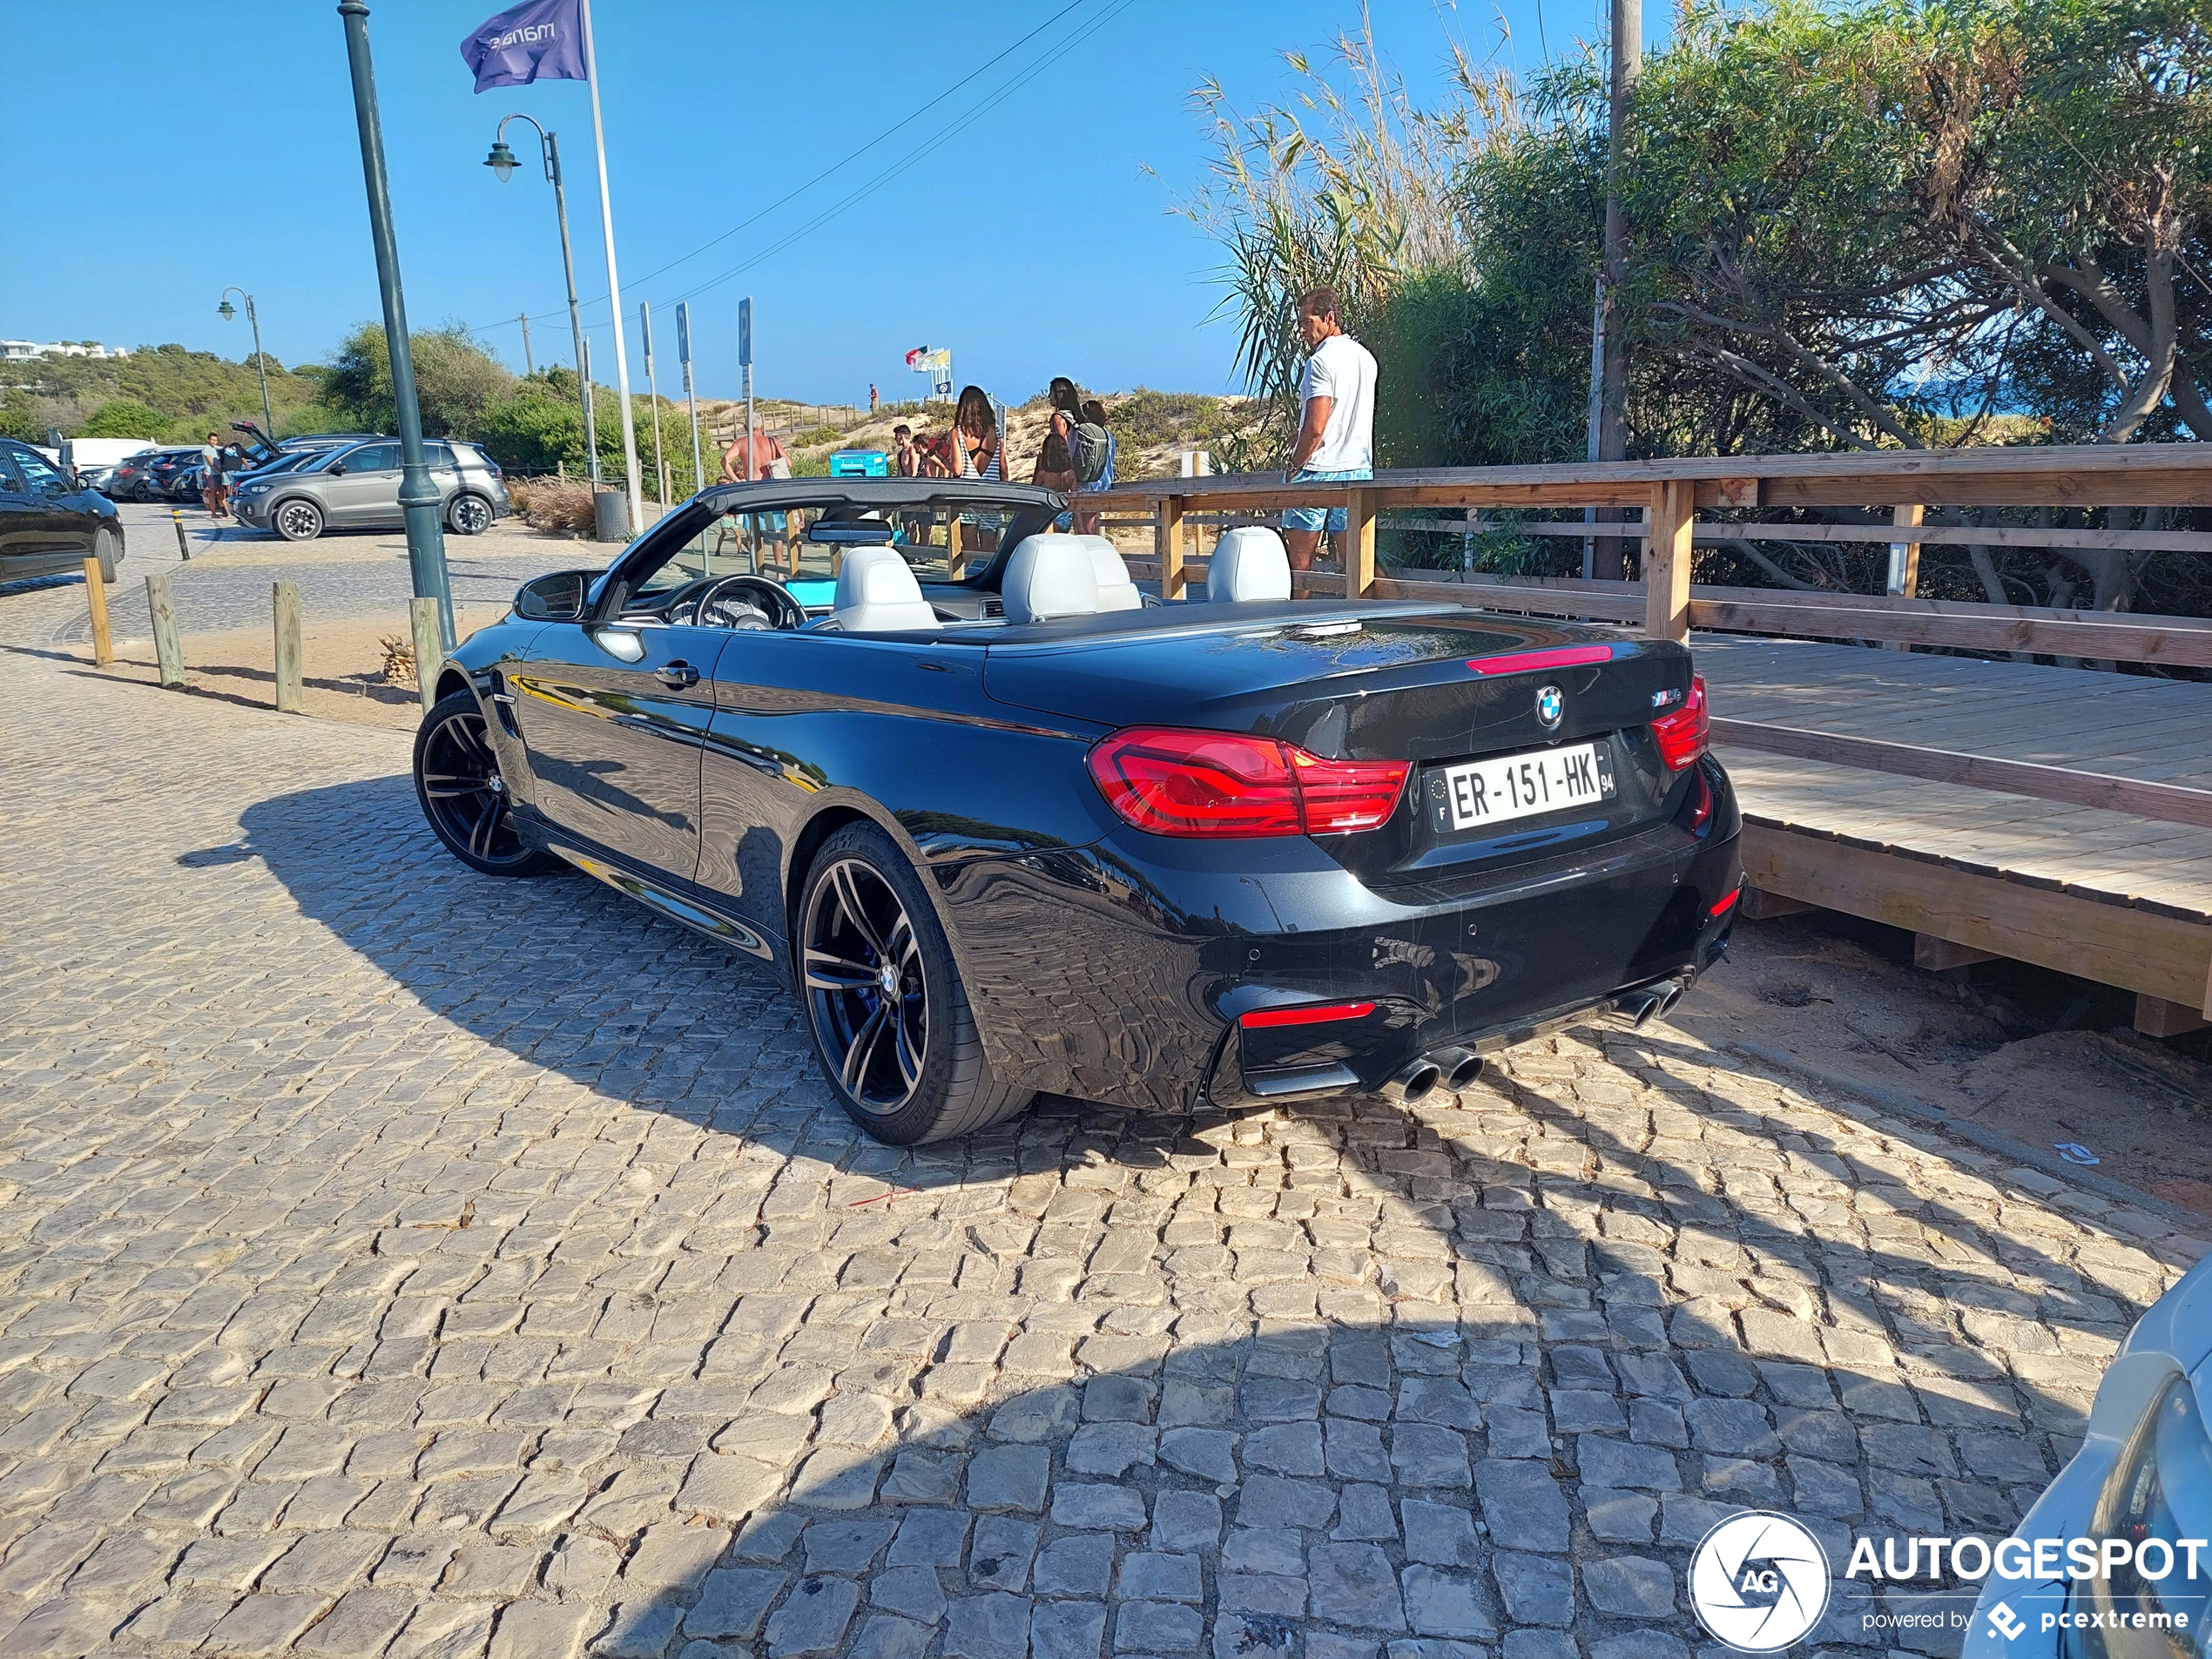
404 1261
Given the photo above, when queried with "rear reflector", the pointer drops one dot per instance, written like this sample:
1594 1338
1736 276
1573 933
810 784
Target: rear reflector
1682 734
1308 1014
1173 782
1726 905
1527 662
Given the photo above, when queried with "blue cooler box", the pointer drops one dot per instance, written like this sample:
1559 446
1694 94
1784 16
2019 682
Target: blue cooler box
860 463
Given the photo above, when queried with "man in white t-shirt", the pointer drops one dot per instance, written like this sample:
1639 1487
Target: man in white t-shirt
1336 434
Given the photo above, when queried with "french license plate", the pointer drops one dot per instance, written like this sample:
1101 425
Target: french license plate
1479 793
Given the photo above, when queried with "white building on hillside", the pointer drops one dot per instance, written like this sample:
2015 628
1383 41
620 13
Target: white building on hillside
21 351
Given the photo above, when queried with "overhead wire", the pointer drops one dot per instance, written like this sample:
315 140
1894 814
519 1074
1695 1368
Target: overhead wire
844 161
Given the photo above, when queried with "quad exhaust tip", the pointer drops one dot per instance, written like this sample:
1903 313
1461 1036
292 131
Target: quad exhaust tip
1649 1002
1452 1069
1414 1082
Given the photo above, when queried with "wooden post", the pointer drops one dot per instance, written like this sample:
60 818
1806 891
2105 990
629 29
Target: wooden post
1905 561
96 602
1167 539
285 601
955 556
430 648
1673 516
1358 553
167 653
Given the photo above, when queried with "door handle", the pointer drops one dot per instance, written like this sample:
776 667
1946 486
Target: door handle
678 675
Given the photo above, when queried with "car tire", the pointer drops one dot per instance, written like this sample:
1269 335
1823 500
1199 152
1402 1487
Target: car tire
142 492
296 519
462 796
469 514
910 1070
104 549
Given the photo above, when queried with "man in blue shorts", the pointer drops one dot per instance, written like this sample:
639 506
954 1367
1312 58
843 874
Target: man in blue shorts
1336 435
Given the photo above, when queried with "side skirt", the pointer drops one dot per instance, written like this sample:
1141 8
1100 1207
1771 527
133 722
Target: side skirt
665 900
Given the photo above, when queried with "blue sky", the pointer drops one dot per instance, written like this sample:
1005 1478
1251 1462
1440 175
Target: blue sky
1032 242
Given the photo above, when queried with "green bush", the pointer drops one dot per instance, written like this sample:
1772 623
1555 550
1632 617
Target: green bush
126 417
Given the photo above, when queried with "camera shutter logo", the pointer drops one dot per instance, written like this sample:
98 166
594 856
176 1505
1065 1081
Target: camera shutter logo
1759 1582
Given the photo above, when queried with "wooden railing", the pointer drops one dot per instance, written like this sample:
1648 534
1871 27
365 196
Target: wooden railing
1670 495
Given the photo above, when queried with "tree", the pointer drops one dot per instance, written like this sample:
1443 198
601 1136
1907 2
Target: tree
126 417
455 379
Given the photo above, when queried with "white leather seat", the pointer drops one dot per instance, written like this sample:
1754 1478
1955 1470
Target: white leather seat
877 594
1249 564
1116 590
1052 575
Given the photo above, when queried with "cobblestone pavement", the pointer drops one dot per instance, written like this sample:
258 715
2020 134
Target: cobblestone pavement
393 1259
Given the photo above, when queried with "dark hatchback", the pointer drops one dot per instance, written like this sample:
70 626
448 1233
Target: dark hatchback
1006 841
49 522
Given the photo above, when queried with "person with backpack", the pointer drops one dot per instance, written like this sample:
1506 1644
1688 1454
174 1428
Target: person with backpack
1093 448
1055 468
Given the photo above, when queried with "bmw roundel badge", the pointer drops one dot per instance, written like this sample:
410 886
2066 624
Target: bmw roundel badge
1551 704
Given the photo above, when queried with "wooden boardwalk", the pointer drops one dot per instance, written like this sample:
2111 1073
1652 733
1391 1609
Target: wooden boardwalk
2111 895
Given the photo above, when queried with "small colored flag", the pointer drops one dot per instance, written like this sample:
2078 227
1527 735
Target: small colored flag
539 40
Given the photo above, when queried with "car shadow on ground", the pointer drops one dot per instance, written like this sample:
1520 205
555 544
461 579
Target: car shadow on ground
1308 1382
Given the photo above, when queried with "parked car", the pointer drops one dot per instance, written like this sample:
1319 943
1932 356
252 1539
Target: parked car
2142 1480
358 487
49 522
1025 832
175 474
134 478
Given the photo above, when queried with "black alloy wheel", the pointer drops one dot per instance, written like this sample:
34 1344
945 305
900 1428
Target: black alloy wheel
884 999
469 516
457 781
865 986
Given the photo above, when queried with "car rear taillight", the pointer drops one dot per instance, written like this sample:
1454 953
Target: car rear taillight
1173 782
1682 734
1305 1013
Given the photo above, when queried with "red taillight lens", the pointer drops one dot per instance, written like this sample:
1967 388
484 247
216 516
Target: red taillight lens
1682 734
1725 905
1172 782
1308 1014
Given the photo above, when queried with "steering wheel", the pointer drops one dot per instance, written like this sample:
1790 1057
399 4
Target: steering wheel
749 601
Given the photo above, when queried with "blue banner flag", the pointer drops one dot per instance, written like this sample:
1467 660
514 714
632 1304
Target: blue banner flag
539 40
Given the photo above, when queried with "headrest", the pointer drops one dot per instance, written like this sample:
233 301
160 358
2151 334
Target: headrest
1249 564
877 594
1116 590
1051 576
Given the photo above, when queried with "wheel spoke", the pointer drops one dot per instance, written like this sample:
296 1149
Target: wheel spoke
453 786
910 1045
827 972
849 897
854 1071
480 839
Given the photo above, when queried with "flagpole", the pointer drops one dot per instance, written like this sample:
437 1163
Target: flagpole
614 284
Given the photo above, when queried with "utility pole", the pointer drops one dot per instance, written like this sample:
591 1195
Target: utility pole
501 162
227 311
691 392
653 395
745 363
419 496
528 368
1611 560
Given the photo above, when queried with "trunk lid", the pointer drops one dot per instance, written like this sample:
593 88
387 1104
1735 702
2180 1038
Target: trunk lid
1435 686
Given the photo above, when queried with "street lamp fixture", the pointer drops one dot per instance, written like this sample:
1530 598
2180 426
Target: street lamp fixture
502 163
227 311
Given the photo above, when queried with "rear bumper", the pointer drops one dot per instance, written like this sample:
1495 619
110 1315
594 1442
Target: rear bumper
1120 972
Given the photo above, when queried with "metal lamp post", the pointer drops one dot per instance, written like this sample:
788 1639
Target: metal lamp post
426 547
503 164
227 311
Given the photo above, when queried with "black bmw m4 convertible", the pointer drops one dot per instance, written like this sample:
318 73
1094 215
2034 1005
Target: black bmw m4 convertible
1021 829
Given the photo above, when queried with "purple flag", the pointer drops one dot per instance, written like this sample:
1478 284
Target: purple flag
538 40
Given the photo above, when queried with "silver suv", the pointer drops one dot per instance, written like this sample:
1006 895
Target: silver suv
358 487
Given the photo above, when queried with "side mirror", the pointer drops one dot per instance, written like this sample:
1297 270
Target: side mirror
555 597
337 469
